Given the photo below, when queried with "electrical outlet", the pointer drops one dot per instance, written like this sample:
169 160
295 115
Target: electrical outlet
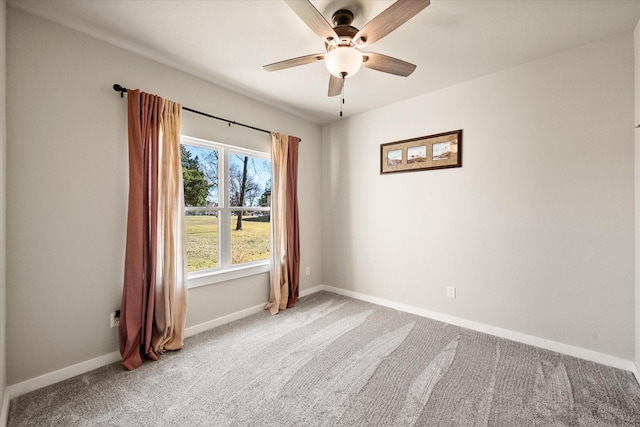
451 292
115 319
308 271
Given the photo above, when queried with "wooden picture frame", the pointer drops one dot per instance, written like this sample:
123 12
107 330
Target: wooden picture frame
439 151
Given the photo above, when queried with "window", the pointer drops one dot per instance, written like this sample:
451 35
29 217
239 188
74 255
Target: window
227 194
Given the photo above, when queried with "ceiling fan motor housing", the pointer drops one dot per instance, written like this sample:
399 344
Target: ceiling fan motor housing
342 20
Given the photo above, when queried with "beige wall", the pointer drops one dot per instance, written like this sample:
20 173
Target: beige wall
67 190
637 182
536 230
3 209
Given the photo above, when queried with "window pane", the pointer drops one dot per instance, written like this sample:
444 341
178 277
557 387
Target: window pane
202 240
249 181
200 176
249 236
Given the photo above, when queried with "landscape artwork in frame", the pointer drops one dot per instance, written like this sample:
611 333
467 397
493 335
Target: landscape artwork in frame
439 151
394 157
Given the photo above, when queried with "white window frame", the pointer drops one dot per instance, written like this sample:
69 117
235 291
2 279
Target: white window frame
225 270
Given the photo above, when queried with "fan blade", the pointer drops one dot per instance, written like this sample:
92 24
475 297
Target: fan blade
313 18
387 64
335 85
294 62
388 20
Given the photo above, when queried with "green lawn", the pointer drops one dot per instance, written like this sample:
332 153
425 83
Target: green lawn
249 244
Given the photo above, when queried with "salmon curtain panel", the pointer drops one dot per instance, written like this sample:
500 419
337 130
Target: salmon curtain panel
285 233
154 297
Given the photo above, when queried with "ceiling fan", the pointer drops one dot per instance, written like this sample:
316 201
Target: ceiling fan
343 42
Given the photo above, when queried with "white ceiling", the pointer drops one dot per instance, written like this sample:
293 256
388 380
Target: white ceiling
228 42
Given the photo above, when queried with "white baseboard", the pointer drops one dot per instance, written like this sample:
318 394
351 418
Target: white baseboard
570 350
196 329
27 386
315 289
32 384
636 373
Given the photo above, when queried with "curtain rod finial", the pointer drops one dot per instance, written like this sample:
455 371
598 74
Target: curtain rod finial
120 89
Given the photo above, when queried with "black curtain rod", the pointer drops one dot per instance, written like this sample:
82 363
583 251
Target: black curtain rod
123 90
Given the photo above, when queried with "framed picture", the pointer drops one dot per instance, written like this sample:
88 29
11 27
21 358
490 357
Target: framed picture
440 151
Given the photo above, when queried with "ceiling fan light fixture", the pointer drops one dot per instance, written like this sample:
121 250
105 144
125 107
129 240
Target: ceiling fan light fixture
343 61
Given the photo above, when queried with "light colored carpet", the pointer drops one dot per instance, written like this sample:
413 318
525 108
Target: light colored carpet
332 360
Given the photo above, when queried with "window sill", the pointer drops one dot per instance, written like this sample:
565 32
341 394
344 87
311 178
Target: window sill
204 278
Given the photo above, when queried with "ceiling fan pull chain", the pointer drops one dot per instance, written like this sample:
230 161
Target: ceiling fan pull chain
342 95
